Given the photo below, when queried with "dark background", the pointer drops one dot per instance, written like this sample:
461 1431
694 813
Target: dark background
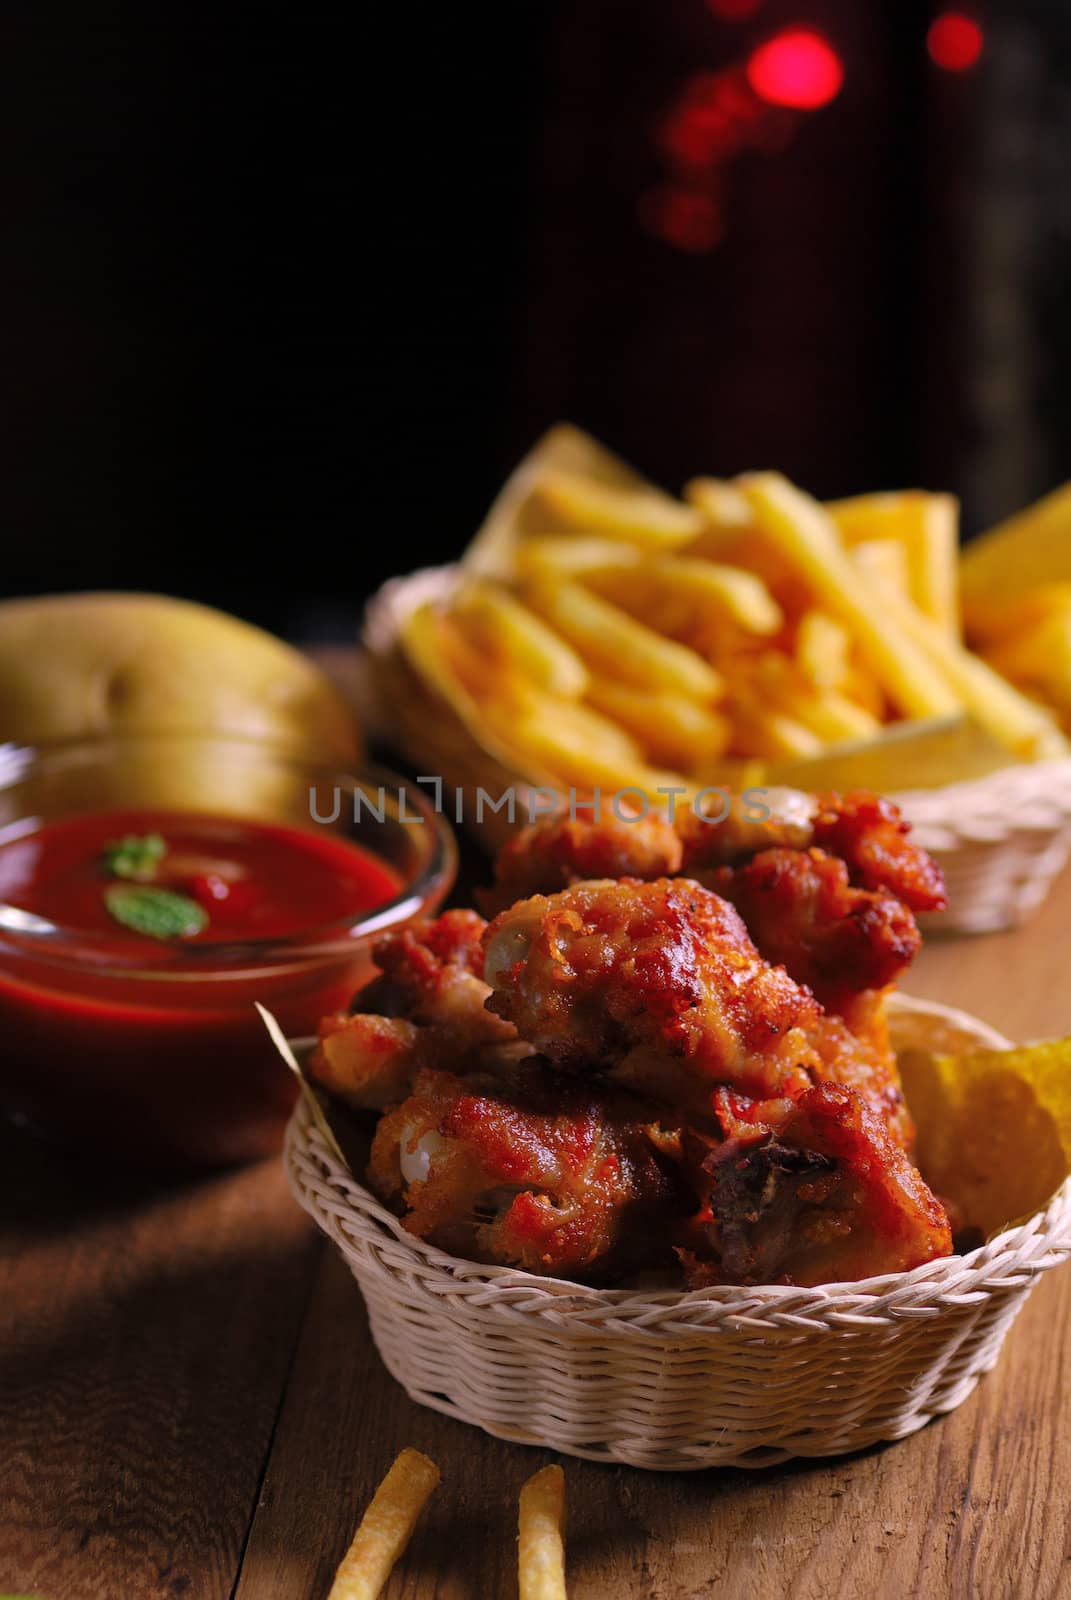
286 290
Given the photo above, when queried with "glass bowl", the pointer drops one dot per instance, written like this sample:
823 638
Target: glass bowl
152 1052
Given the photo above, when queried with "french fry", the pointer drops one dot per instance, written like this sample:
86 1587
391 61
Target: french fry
990 619
443 657
721 503
700 593
553 557
807 537
1039 660
932 544
823 647
644 517
831 716
540 1541
1029 549
621 647
763 731
565 751
517 513
871 516
386 1527
669 727
926 526
584 723
493 618
1023 727
884 562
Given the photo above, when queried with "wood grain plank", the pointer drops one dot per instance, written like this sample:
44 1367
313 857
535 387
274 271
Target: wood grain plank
145 1338
973 1505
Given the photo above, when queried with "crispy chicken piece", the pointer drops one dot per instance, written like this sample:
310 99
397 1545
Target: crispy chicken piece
802 911
426 1009
871 838
562 849
532 1173
807 1191
657 982
827 888
781 817
861 1057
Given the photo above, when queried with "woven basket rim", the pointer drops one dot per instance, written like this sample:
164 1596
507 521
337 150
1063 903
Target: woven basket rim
1046 1236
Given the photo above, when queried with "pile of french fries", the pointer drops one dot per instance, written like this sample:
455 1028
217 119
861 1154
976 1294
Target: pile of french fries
603 634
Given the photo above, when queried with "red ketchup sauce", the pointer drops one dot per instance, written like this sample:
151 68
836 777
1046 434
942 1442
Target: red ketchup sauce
148 1047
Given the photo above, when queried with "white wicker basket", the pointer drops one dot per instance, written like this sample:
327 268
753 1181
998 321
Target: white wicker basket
1000 840
671 1381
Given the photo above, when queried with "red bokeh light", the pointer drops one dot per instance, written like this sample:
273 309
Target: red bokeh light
734 10
796 68
688 219
955 41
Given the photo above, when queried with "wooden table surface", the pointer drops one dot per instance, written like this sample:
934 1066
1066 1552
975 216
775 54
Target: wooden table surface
191 1409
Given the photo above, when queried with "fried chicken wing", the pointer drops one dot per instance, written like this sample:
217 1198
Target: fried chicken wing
826 888
658 982
546 1176
674 1047
803 912
872 839
807 1191
565 847
426 1009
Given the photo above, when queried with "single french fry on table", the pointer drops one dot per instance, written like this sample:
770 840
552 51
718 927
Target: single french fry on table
540 1536
614 642
644 517
806 536
507 629
386 1527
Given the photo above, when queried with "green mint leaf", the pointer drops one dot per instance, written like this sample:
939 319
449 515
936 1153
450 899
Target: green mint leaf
135 856
160 913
